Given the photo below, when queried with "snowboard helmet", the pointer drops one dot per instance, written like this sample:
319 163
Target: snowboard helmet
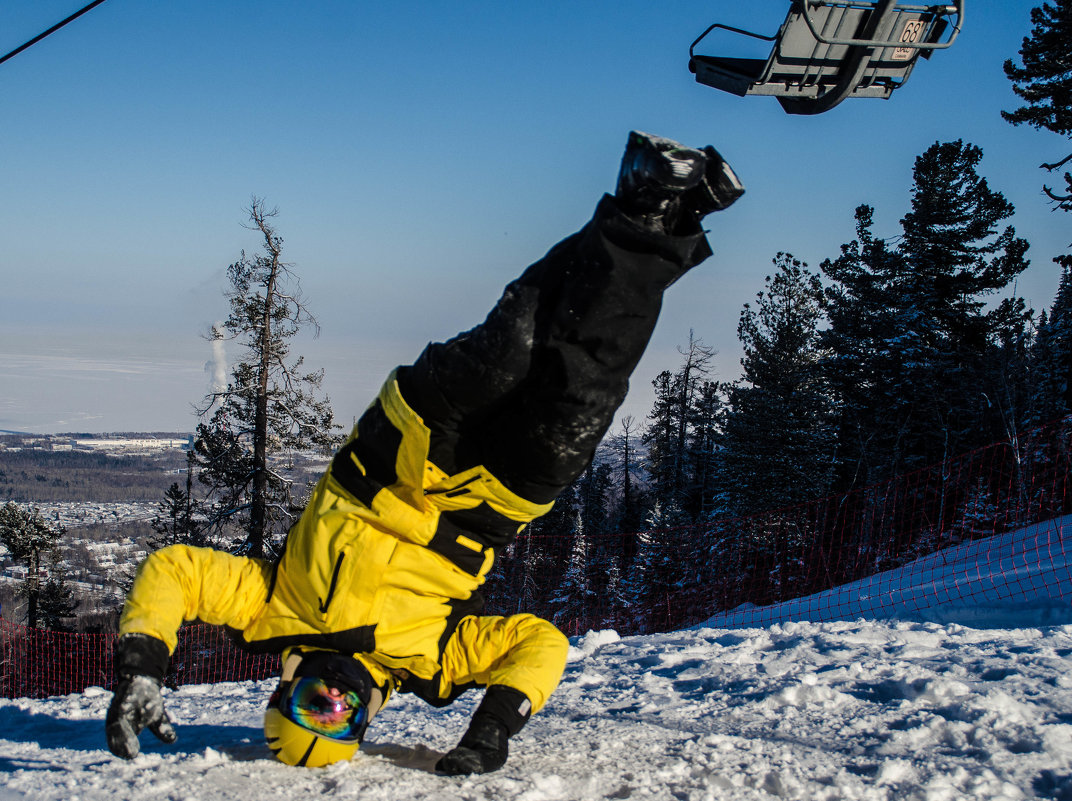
319 712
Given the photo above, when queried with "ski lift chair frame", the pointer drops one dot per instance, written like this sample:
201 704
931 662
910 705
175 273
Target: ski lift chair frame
830 50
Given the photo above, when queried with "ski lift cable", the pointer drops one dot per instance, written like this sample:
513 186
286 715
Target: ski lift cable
51 30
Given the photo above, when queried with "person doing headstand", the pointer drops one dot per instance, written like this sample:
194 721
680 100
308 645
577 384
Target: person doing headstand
378 587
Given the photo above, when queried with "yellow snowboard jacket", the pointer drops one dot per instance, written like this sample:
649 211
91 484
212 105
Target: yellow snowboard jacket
385 564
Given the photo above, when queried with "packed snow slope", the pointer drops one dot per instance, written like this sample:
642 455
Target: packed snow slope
844 710
989 580
904 709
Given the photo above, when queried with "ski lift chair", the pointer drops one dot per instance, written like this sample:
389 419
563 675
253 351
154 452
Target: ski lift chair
830 50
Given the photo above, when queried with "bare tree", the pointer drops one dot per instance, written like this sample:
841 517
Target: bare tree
270 406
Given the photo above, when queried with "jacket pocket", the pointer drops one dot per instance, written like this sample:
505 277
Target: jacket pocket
326 601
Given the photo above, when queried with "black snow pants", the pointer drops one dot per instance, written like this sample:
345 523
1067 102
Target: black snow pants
530 392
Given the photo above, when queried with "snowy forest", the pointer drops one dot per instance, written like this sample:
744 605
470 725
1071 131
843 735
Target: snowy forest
906 350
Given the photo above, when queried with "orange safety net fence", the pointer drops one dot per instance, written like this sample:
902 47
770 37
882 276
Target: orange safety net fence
37 663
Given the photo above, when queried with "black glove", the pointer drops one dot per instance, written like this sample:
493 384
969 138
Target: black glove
484 747
141 662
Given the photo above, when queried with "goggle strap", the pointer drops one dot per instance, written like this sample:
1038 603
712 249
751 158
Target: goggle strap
290 666
375 702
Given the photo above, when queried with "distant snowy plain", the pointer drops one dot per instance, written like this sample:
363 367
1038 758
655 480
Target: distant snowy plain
908 709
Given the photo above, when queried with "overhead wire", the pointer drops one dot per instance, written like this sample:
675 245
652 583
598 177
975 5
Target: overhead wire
51 30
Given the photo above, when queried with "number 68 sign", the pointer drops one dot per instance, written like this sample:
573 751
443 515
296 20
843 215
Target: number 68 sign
910 34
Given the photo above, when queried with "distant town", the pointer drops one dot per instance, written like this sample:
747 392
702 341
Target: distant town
123 444
103 492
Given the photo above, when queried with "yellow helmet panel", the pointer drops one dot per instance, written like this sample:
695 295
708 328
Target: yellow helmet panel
300 747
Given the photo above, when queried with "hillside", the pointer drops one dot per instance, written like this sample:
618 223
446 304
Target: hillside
866 710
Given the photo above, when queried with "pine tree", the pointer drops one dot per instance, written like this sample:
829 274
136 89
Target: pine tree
977 517
957 255
31 541
632 496
270 406
639 584
1050 359
659 437
576 597
536 561
669 434
705 424
691 379
1044 81
593 490
1009 387
57 604
777 448
177 522
910 332
659 569
614 605
861 362
606 542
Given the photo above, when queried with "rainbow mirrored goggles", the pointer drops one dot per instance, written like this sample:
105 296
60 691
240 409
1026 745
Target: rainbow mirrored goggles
328 696
329 711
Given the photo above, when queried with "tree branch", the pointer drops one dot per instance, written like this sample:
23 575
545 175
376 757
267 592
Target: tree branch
1056 198
1057 165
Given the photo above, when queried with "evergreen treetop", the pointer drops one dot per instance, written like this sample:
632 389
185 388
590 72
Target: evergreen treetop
1044 82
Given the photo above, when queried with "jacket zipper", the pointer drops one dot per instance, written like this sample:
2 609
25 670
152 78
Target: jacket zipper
448 490
326 602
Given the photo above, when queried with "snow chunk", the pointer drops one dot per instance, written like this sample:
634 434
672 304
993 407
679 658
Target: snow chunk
590 643
809 692
545 788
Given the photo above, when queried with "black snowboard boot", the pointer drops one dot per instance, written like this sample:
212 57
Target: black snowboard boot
501 714
666 186
483 749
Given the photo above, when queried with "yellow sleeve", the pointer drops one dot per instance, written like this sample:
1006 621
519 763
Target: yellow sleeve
520 651
182 583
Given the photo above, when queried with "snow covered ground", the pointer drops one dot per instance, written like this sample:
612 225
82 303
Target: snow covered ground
845 710
905 709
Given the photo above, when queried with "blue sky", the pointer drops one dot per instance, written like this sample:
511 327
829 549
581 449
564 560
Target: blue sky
420 155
